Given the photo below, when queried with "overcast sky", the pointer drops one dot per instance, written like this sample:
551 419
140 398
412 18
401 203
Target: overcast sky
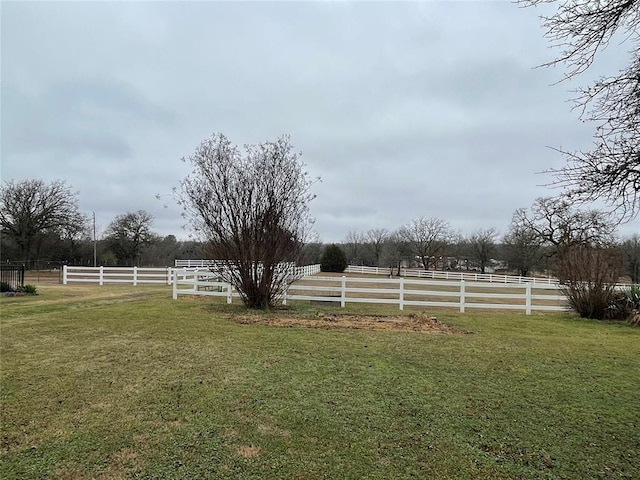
404 110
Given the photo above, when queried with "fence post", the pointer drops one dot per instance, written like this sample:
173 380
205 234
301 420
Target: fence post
101 280
462 295
284 296
64 274
343 293
528 301
401 293
175 287
135 276
229 294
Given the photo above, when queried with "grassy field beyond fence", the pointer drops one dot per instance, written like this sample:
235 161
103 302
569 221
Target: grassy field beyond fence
118 382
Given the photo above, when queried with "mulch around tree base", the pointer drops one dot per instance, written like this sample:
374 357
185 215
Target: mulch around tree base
402 323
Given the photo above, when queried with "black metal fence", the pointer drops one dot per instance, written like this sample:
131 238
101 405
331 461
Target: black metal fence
13 275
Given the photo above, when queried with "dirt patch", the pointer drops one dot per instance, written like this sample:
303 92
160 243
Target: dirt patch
248 451
402 323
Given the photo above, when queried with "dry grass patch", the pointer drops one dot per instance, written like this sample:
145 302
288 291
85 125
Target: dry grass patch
326 321
275 431
248 451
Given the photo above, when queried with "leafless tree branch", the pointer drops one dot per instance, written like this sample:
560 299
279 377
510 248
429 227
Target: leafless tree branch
610 171
253 210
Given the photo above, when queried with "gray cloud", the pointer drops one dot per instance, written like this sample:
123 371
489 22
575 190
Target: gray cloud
403 109
78 117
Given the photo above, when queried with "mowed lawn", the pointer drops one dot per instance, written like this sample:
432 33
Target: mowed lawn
122 382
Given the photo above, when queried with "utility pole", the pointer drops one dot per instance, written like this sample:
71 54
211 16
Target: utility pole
95 263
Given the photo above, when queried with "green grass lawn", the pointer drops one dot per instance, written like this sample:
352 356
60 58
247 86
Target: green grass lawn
123 382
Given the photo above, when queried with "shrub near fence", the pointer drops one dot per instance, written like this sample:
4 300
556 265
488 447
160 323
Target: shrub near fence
402 292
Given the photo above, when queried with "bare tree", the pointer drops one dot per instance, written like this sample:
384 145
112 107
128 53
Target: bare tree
523 244
311 252
561 229
482 245
253 210
396 251
631 252
376 238
353 244
128 234
611 169
428 238
163 251
558 224
32 209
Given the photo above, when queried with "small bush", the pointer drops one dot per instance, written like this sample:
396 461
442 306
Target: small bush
28 289
623 304
619 309
5 287
626 306
592 300
633 296
333 259
588 275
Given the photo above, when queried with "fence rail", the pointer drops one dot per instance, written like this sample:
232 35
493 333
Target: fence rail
110 275
403 292
194 263
454 275
412 272
149 275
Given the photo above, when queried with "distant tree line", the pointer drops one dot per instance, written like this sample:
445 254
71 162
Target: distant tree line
537 241
42 227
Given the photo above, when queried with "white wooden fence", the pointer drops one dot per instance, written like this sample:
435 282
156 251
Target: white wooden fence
193 263
401 291
146 275
453 275
414 272
109 275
